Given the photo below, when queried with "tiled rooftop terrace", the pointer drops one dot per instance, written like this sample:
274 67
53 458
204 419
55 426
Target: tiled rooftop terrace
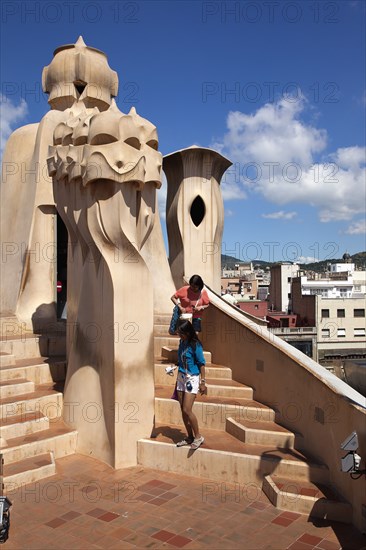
90 505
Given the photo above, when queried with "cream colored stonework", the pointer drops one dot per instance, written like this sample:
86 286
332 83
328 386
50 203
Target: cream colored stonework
195 214
99 169
105 169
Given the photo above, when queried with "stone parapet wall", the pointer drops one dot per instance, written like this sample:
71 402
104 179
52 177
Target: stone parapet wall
310 401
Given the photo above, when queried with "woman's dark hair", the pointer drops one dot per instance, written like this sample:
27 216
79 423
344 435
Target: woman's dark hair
186 327
197 281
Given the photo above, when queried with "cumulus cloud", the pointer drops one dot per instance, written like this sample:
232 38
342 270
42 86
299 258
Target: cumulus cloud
273 133
10 114
357 228
306 260
278 155
281 215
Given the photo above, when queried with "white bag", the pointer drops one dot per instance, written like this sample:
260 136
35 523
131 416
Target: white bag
186 317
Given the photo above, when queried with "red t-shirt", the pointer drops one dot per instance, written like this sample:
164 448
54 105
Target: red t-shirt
188 299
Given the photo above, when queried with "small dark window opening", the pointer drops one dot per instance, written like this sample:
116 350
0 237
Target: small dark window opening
80 86
198 211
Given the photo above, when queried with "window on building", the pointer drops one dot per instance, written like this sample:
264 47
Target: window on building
343 292
341 333
256 307
289 295
359 332
325 332
318 292
289 279
357 288
324 292
358 313
341 313
325 312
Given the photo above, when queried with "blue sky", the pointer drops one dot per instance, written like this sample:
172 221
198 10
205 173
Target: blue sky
276 86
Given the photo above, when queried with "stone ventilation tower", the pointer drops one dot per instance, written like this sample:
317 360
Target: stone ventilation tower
99 170
195 214
80 77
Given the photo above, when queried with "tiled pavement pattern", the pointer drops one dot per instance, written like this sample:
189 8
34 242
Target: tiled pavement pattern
90 505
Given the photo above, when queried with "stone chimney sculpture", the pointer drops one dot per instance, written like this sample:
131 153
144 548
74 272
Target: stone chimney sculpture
195 214
99 169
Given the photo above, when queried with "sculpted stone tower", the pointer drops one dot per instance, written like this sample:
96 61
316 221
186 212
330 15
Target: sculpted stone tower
106 168
195 214
98 169
28 263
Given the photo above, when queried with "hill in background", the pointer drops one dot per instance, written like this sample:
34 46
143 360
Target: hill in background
359 259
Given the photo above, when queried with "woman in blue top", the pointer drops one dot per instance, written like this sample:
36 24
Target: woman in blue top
190 381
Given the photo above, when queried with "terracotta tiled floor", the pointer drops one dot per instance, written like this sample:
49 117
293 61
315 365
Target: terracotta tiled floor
90 505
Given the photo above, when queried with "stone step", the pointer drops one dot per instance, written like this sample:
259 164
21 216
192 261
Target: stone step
215 388
227 388
44 399
171 354
305 497
6 359
27 471
163 318
161 330
222 458
58 438
11 388
218 372
22 346
212 372
10 326
38 369
165 341
210 411
261 433
28 345
24 424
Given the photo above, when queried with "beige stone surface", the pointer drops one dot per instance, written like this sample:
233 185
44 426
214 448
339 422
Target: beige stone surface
78 72
99 169
321 409
195 214
28 220
106 168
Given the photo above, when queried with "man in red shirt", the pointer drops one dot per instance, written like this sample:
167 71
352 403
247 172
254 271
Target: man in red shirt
192 299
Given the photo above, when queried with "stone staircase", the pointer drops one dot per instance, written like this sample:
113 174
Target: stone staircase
243 445
32 433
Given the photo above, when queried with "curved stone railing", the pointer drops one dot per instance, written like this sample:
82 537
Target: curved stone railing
318 407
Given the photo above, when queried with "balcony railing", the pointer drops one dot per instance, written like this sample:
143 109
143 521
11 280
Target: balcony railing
295 330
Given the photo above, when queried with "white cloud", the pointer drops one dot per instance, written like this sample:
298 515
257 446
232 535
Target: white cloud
357 228
306 260
162 194
275 153
232 191
229 213
10 114
273 134
281 215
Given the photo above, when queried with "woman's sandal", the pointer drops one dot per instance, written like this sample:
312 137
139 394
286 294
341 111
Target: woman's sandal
197 442
186 441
